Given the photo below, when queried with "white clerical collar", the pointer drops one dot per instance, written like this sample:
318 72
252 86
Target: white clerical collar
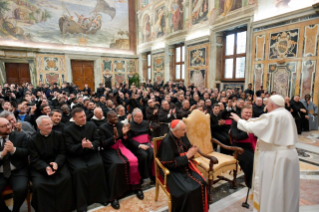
45 135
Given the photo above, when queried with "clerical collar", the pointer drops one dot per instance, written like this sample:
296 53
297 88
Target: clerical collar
45 135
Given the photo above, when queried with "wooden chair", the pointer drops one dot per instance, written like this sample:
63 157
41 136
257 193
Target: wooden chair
199 134
7 190
160 182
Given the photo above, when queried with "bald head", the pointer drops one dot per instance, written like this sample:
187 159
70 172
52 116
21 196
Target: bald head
98 113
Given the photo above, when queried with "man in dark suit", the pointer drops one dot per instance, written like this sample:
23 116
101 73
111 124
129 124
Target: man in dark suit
13 164
87 89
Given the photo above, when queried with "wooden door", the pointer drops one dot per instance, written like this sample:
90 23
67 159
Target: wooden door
17 73
83 73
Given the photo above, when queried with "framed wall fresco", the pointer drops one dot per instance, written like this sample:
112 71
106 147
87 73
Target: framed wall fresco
116 70
260 47
159 28
198 78
197 57
239 86
95 23
158 77
176 15
281 78
307 79
311 40
197 64
291 62
284 44
158 62
50 68
107 65
199 11
225 6
258 76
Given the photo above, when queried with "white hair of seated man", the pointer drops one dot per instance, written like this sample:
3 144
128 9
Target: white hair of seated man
39 120
136 110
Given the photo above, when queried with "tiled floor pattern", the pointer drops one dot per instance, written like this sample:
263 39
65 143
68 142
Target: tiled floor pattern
310 138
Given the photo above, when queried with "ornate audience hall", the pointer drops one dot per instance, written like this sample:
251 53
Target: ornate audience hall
252 47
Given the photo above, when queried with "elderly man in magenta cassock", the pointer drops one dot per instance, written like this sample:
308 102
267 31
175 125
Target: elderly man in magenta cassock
52 183
82 141
139 143
276 165
186 184
121 165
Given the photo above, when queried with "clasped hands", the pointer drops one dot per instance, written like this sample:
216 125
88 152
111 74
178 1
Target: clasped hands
8 147
52 168
192 151
86 143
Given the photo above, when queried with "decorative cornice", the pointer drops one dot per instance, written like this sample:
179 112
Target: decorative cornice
285 18
197 40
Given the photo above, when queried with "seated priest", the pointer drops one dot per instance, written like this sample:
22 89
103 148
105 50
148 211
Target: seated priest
51 180
56 117
300 114
121 165
139 143
13 164
312 111
187 186
218 130
248 142
152 117
98 118
165 116
185 110
84 161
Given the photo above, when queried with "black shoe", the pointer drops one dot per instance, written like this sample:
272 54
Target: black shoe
139 194
115 204
104 203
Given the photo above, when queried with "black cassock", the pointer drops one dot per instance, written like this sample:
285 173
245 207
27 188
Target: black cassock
300 118
59 127
86 165
145 158
246 160
50 193
116 164
187 187
165 120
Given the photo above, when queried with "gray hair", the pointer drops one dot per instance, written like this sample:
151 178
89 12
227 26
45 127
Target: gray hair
164 102
5 114
185 101
39 120
119 107
136 110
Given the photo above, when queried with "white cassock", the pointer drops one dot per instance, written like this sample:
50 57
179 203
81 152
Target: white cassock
276 164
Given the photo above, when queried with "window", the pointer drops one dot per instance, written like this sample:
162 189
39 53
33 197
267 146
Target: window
234 55
149 66
179 63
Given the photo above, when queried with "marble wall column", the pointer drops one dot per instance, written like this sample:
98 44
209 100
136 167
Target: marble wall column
169 62
3 75
33 72
215 69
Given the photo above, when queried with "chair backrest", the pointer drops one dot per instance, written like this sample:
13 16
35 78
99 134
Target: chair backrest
156 143
198 131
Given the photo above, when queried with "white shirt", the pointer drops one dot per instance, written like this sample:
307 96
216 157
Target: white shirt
12 166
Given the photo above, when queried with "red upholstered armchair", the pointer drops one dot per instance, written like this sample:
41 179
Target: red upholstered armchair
162 182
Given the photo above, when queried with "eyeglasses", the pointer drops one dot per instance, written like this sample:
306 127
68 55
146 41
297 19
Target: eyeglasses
6 125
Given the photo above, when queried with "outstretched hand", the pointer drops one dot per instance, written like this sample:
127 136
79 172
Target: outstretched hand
235 117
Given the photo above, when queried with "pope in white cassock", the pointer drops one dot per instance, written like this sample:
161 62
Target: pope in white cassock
276 164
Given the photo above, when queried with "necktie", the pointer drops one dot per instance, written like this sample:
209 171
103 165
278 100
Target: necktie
6 162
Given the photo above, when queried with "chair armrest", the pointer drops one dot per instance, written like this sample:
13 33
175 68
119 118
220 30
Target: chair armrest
164 169
211 158
196 161
233 148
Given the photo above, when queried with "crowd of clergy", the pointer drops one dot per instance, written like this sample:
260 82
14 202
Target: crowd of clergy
80 147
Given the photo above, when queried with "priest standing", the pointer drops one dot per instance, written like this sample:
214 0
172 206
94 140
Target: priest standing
51 179
276 163
85 163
